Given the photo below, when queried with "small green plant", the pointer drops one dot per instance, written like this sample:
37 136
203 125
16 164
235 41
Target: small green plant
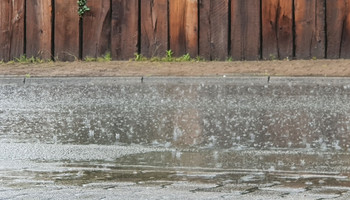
106 58
83 8
198 59
272 57
314 58
139 57
168 58
155 59
22 59
184 58
89 59
229 59
25 59
169 55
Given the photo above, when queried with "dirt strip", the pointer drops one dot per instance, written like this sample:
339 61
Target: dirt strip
323 68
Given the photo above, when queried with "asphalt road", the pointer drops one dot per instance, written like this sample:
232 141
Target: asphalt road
174 138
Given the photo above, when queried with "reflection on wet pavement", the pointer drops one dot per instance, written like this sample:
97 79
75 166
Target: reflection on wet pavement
240 136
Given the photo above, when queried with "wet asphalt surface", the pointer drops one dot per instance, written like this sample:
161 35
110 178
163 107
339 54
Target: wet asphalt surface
174 138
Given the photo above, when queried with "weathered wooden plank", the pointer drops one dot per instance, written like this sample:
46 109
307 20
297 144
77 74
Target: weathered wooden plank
204 29
309 28
97 29
183 21
277 29
338 29
11 29
213 34
66 30
39 29
124 29
154 27
245 29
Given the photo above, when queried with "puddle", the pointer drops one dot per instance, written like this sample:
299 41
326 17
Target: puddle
290 133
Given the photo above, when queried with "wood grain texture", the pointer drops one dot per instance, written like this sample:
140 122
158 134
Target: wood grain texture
183 21
39 29
245 29
309 29
66 30
11 29
97 29
277 29
338 29
213 34
124 29
154 27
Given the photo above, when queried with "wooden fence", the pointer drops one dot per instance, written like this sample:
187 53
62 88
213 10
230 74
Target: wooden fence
212 29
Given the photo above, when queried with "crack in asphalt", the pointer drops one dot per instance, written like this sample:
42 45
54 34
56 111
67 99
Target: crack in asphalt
250 190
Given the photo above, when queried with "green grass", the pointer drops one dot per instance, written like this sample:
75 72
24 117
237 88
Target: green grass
229 59
26 60
168 58
106 58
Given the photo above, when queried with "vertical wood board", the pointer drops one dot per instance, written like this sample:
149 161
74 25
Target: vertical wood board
183 27
309 29
11 29
39 29
66 30
125 16
97 29
338 29
154 27
213 34
277 29
245 29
